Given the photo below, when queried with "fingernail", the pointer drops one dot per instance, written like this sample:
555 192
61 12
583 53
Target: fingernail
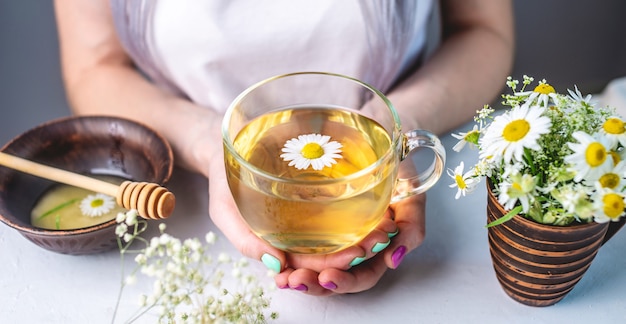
357 261
271 262
329 285
390 235
283 287
398 255
301 287
380 246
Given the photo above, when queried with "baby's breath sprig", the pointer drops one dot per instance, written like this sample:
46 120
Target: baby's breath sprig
188 281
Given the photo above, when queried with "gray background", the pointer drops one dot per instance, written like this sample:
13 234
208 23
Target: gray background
564 41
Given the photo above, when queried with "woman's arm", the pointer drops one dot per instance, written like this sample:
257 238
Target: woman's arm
101 79
465 72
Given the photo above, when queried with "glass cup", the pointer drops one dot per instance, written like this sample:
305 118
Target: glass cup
312 160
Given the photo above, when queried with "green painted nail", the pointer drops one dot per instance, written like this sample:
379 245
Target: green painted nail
390 235
271 262
357 261
380 246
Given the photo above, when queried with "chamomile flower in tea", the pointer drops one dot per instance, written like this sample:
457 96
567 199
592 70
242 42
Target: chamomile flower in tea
313 150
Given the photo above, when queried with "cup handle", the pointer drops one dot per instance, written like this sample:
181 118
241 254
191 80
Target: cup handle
407 187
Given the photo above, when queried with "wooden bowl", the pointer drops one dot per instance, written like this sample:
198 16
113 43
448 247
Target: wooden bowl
85 145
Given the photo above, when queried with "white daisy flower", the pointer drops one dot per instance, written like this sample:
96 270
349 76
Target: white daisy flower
97 205
511 132
569 196
591 157
614 179
517 187
313 149
615 130
609 205
577 96
542 93
618 155
470 137
466 183
484 167
510 169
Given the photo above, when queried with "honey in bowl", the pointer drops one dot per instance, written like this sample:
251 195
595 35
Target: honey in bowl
59 208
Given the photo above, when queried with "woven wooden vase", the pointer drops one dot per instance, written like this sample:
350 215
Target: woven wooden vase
537 264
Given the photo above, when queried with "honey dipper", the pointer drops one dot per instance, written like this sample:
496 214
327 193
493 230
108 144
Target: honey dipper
151 200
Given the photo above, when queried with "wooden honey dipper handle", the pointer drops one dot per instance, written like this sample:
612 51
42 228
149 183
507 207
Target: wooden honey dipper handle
149 199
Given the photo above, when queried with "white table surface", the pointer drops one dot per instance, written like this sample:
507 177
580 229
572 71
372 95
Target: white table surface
449 279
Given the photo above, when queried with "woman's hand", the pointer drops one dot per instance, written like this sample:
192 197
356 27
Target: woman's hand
353 269
359 267
226 216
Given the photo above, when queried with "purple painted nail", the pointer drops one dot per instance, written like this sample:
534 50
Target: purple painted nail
283 287
329 285
398 255
301 287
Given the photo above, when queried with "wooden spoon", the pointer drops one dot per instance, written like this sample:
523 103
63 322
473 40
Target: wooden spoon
149 199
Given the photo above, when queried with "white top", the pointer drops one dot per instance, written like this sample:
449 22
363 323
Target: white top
213 50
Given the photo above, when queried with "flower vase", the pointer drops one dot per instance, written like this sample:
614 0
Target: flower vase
538 264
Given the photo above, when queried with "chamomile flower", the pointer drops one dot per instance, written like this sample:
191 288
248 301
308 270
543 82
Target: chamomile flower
614 129
97 205
609 205
553 158
465 182
618 154
577 96
614 179
575 200
470 137
512 168
542 93
311 150
591 157
513 131
518 187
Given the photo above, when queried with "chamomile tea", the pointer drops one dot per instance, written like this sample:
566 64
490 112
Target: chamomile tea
308 210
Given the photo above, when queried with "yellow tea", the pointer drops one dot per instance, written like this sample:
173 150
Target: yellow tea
313 211
59 207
